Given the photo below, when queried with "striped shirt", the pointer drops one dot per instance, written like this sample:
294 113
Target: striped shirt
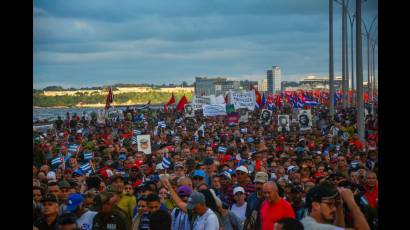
249 189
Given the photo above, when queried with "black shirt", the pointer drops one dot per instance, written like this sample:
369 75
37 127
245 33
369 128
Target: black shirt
41 224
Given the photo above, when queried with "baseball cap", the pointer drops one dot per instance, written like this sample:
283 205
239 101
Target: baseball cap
179 165
194 199
122 157
73 201
50 198
64 184
99 200
292 169
78 172
320 192
184 190
51 176
238 189
242 169
208 161
199 173
225 174
261 177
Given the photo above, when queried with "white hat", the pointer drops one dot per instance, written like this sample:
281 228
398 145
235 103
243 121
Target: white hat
159 166
51 176
238 189
242 169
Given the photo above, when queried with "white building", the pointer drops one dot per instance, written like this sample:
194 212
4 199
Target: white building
274 79
263 85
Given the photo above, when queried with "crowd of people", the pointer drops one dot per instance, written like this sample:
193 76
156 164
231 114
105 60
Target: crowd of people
203 173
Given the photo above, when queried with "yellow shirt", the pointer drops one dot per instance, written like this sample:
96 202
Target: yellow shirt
127 203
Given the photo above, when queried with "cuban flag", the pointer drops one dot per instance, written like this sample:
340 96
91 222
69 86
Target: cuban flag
134 140
73 148
196 138
222 149
68 157
86 168
311 103
162 124
88 156
136 132
56 161
166 162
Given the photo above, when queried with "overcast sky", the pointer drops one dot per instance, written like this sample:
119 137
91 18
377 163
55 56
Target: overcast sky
79 43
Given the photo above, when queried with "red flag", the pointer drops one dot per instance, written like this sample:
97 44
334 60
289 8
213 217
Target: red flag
258 97
181 103
170 102
109 99
366 97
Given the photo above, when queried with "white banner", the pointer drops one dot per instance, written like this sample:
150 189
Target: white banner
214 110
242 99
199 101
219 100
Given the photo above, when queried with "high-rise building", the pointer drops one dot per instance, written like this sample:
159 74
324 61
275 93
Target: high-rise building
214 86
274 79
277 79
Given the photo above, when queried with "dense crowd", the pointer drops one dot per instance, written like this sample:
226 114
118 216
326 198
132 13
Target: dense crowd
203 173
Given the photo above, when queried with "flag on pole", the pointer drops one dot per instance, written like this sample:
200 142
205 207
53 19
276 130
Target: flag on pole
73 148
181 103
170 102
86 168
166 162
222 149
56 161
88 156
109 99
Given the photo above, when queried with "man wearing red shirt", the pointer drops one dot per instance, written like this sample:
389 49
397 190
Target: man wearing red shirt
274 208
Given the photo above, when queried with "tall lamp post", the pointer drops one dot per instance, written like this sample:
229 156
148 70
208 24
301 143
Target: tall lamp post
331 69
367 34
351 20
359 71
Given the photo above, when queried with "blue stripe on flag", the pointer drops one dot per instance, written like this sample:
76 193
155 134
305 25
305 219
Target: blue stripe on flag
222 149
88 156
166 163
86 168
56 160
134 140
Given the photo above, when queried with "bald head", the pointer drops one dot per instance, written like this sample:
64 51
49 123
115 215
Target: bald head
270 192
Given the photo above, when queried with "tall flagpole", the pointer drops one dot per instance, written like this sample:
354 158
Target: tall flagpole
331 70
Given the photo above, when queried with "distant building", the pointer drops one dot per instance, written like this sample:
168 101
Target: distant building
263 86
214 86
318 83
248 85
274 79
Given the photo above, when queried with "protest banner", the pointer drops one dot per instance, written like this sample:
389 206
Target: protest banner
305 119
283 123
266 116
189 110
232 119
214 110
243 116
242 99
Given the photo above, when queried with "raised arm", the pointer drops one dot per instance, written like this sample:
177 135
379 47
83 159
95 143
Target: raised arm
174 196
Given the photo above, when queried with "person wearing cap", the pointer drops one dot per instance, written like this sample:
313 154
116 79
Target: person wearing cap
127 202
198 178
106 218
243 180
209 170
76 205
180 170
254 202
274 207
64 187
326 211
180 219
239 207
294 197
49 211
206 218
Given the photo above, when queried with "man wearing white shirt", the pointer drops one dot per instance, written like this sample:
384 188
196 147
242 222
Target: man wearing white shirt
206 219
84 216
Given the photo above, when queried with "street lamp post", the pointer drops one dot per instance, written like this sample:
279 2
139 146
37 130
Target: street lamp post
351 20
331 70
367 34
359 71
